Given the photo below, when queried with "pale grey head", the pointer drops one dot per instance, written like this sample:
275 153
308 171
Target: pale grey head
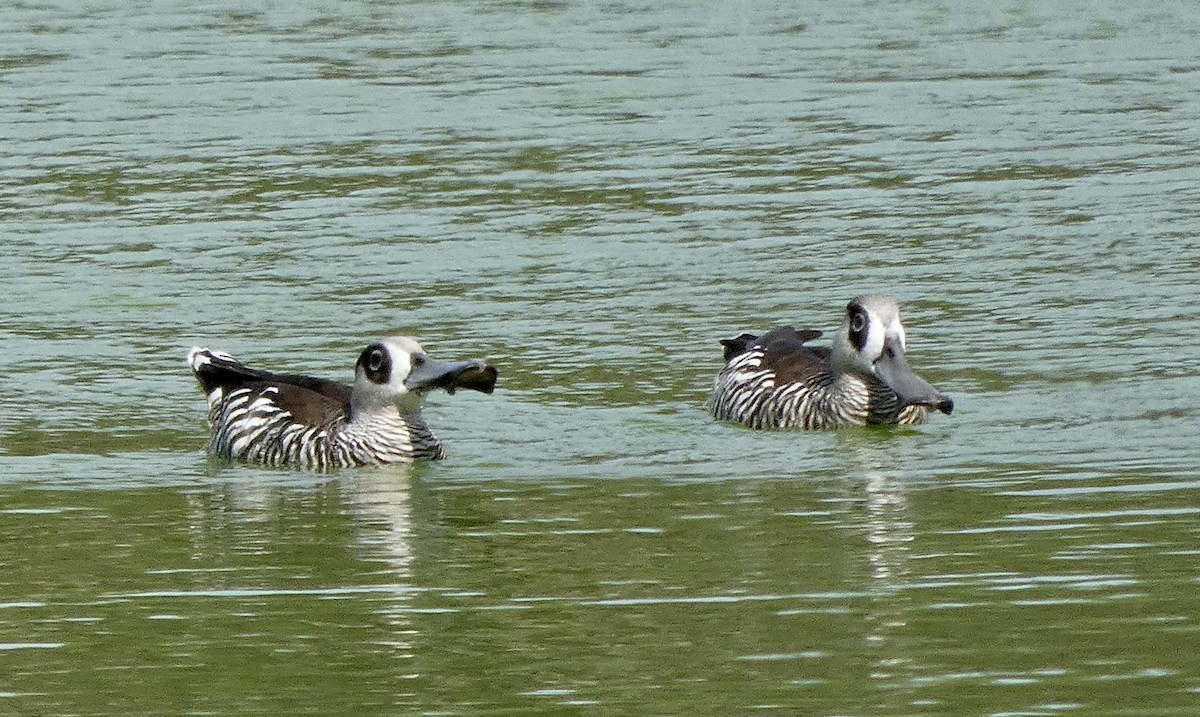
396 371
871 342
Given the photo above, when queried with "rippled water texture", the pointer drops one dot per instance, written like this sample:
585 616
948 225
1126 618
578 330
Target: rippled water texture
591 195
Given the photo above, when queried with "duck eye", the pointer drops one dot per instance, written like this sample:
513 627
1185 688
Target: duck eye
375 360
858 322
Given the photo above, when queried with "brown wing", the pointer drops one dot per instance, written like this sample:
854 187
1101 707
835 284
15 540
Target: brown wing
334 391
740 344
784 353
312 401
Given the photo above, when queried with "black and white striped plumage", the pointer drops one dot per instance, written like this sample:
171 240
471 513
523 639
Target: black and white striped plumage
776 381
305 422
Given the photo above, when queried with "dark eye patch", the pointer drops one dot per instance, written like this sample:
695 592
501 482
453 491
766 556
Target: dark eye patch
860 325
376 363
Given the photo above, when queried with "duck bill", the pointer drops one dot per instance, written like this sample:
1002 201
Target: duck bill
451 376
892 368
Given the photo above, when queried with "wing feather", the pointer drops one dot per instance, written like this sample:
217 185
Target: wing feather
311 401
785 354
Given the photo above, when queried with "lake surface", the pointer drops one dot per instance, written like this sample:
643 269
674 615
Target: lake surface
590 195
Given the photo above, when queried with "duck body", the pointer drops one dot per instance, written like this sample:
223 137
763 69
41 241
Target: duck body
306 422
777 381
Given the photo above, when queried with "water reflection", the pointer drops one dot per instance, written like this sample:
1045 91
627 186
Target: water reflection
243 532
381 502
876 464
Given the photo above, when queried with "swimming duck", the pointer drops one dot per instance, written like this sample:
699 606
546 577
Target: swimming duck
776 381
305 422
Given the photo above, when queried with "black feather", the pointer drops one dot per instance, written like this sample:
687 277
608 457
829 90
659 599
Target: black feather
738 345
311 401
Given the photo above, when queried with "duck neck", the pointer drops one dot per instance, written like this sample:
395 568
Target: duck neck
389 433
869 399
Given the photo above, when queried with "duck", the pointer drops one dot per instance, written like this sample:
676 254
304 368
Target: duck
290 420
777 381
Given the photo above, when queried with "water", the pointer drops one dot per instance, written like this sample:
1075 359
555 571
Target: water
590 195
